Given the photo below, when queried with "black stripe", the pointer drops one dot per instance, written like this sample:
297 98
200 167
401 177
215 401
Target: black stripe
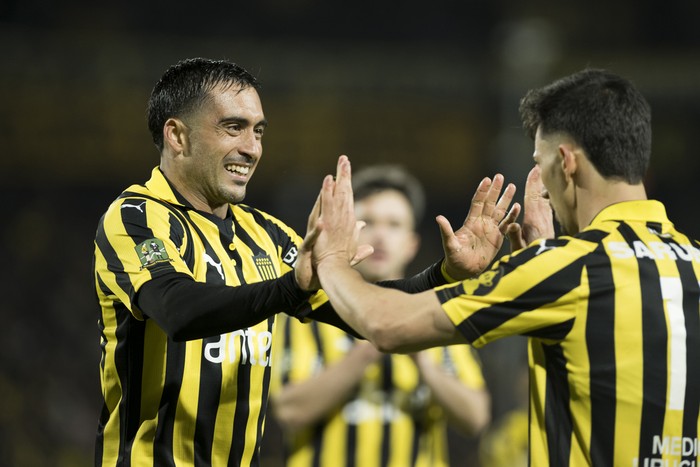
593 235
114 264
209 397
100 322
600 345
352 445
557 331
418 427
265 396
99 442
654 349
240 418
558 424
128 360
287 330
450 292
177 235
387 386
174 372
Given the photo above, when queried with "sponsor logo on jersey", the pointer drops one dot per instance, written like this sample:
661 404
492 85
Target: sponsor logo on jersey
290 257
242 347
151 252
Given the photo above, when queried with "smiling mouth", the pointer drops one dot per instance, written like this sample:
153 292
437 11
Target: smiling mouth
235 169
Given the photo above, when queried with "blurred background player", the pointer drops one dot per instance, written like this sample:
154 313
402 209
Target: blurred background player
342 402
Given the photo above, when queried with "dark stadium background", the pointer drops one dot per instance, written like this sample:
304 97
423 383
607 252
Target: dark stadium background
433 85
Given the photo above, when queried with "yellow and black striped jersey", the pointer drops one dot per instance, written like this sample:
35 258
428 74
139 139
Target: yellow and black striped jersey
197 402
613 320
391 420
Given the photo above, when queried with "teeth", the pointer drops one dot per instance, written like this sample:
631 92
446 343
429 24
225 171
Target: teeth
238 169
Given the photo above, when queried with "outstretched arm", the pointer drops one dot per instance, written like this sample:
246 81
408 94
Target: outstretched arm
394 321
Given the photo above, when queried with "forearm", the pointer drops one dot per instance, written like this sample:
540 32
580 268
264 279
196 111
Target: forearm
392 320
187 310
303 403
467 409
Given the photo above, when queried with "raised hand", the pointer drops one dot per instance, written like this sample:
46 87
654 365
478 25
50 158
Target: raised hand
335 231
537 216
336 202
303 267
470 249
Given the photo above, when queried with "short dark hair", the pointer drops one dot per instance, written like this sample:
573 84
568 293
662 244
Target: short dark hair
186 85
603 113
375 179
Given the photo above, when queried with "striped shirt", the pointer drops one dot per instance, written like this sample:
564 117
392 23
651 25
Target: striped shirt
613 320
199 402
391 420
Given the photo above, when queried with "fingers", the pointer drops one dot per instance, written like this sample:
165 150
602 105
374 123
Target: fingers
492 195
534 187
363 252
486 201
479 198
510 218
446 231
515 237
504 201
343 176
315 213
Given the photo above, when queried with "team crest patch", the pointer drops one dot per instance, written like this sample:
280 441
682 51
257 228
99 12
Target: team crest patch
264 265
151 252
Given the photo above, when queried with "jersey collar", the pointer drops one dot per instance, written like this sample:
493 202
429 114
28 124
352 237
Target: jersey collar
641 211
161 187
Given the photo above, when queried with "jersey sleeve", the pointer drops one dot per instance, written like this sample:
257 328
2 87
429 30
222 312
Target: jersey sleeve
535 292
137 239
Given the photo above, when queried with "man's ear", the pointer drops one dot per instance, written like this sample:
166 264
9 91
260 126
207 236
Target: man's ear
175 135
568 154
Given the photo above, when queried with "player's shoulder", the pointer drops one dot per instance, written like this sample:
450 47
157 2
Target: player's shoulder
135 202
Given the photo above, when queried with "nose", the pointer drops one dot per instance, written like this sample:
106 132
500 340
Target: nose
251 144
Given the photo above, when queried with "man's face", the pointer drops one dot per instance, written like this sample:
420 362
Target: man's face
224 145
390 230
559 191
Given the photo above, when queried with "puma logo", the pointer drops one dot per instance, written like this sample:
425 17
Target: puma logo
209 260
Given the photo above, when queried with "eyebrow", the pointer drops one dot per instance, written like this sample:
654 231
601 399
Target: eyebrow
242 121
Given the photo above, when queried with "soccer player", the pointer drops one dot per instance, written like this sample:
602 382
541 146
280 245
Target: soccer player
341 401
611 309
189 279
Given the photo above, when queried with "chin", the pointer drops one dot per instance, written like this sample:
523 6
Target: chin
236 197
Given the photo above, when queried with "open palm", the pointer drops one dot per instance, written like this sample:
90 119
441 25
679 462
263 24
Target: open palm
471 248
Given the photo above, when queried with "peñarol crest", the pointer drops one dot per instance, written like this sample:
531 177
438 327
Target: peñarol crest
265 267
151 252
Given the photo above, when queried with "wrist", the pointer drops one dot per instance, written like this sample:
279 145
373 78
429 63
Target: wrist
332 262
447 272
